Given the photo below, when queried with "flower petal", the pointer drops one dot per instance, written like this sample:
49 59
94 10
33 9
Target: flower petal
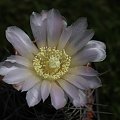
45 89
83 82
66 33
70 89
77 45
57 96
6 67
55 26
21 41
78 29
33 96
39 27
93 81
20 60
30 82
96 44
81 101
16 76
78 97
88 55
5 70
83 70
83 98
74 81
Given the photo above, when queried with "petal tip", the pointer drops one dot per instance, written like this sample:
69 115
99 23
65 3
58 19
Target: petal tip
11 28
59 106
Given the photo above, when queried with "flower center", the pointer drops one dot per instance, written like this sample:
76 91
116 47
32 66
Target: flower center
50 63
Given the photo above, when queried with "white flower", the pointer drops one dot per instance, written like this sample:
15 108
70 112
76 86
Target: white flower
56 65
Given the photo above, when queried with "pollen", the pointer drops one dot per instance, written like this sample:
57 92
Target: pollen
50 63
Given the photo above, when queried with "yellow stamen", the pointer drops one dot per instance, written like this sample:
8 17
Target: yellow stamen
50 63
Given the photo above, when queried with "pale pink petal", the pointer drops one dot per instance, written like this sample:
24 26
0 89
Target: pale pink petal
33 96
16 76
83 82
39 28
74 81
58 97
55 26
83 98
74 46
20 60
72 92
70 89
30 81
78 37
83 70
21 42
88 55
78 29
81 101
93 81
6 67
5 70
66 33
45 89
95 44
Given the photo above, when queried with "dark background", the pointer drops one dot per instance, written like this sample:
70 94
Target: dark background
103 16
